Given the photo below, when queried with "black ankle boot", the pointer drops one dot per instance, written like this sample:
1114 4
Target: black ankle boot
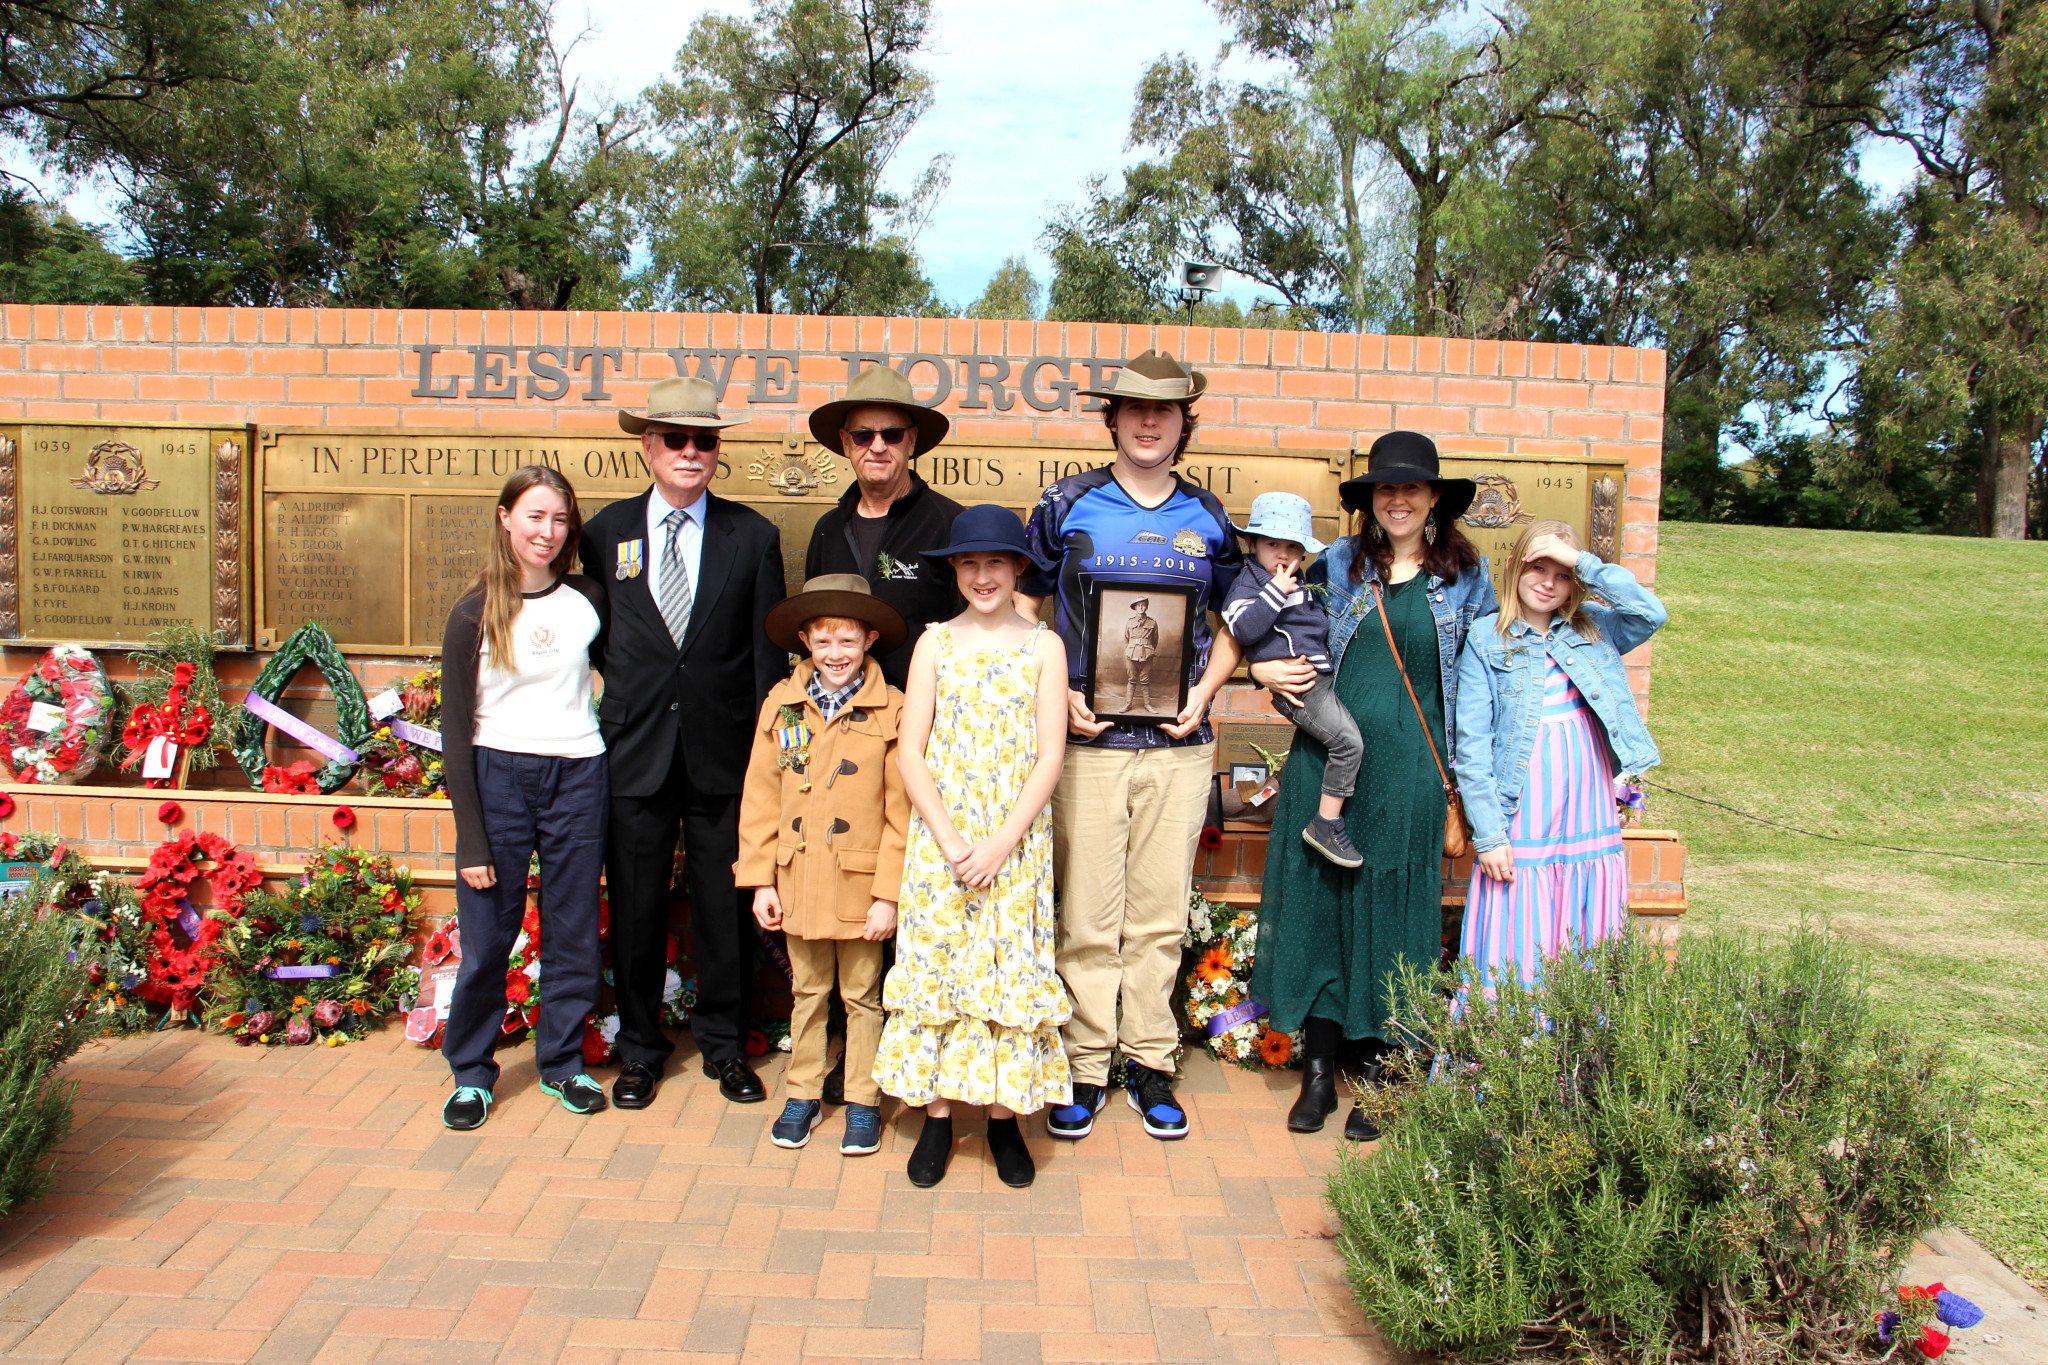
934 1150
1318 1099
1012 1157
1360 1126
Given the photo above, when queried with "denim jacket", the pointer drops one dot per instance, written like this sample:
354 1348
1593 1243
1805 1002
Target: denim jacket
1456 604
1501 697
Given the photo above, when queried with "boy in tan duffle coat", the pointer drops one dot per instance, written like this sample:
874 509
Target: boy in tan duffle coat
823 820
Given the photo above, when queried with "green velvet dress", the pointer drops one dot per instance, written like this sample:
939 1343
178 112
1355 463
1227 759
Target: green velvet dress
1328 937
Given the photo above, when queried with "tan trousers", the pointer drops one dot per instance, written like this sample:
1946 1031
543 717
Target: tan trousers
1125 825
813 962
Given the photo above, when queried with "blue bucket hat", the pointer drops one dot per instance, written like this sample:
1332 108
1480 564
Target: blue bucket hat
987 527
1282 516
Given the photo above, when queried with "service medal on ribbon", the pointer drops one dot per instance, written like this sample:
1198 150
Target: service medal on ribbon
632 559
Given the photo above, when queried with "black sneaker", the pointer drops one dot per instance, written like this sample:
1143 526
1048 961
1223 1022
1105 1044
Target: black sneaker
1077 1120
1333 841
467 1108
578 1094
1151 1094
799 1117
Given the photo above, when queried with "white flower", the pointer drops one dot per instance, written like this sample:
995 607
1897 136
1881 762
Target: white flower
671 987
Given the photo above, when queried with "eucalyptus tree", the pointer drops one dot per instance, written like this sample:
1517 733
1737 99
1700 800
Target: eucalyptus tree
776 130
372 152
1954 383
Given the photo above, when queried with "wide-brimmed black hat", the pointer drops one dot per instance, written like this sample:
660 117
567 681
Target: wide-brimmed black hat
985 528
1408 457
835 594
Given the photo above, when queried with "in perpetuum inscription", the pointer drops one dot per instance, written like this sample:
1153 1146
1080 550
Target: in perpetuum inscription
116 534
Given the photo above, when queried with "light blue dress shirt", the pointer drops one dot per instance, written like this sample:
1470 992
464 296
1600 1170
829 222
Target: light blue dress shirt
690 546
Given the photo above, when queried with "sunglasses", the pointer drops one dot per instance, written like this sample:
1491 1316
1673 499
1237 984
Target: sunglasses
862 437
683 440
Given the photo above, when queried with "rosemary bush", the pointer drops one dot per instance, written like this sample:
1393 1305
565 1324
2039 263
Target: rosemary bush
42 1022
1714 1158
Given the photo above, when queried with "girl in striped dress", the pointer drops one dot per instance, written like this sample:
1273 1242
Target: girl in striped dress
1546 722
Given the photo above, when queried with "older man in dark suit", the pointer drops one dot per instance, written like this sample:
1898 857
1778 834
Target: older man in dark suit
688 579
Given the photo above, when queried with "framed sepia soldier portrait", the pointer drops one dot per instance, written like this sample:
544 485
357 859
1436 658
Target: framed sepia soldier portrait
1139 639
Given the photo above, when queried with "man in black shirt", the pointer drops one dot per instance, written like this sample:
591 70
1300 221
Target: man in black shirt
890 515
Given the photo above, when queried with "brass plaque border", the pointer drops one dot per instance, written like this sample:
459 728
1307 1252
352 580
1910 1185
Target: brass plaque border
232 579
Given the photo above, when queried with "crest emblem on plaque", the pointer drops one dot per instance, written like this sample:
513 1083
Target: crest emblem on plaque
1496 504
114 467
794 474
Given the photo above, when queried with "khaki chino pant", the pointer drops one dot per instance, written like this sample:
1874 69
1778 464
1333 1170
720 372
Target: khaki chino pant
813 962
1125 827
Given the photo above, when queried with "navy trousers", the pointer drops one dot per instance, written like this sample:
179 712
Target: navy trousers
558 806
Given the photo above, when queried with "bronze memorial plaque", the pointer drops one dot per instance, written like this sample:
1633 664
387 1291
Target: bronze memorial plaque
109 533
406 512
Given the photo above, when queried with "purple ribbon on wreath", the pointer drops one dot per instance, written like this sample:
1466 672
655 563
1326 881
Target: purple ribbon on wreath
302 973
1243 1012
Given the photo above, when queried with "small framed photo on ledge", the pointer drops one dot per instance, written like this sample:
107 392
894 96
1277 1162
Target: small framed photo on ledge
1141 640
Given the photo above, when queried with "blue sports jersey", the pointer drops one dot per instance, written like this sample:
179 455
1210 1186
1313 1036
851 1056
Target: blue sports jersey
1086 531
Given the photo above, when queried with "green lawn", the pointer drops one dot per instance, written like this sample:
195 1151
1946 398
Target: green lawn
1892 689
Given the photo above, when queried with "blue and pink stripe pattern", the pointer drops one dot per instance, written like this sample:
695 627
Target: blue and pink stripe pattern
1571 872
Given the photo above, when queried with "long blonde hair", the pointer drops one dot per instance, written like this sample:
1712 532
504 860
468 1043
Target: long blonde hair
1574 608
502 579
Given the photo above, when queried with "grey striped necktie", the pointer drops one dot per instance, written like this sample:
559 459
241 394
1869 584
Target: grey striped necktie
675 579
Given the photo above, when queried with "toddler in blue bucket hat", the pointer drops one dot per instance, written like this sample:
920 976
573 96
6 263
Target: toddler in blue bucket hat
1273 617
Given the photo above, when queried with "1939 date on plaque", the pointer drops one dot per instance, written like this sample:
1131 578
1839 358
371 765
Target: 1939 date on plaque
110 533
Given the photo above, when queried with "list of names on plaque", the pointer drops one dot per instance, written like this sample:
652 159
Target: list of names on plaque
324 560
117 527
448 538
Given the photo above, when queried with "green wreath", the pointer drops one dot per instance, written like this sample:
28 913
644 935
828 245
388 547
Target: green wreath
313 645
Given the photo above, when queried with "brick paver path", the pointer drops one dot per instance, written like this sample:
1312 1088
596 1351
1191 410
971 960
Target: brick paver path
220 1203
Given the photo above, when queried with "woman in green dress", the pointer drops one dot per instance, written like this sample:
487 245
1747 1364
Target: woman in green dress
1330 938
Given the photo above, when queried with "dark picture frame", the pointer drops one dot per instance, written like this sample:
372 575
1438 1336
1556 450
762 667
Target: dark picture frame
1157 693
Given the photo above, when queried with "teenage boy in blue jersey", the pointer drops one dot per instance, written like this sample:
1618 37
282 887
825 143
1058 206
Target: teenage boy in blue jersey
1128 809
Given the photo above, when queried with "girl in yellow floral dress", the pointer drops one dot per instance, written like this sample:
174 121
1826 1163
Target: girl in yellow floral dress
974 1004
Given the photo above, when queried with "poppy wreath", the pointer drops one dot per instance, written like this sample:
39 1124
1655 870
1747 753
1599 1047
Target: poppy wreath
325 960
176 973
1217 1000
397 764
522 977
309 645
54 724
102 916
176 718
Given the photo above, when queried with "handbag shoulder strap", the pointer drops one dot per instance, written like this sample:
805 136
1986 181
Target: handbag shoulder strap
1380 601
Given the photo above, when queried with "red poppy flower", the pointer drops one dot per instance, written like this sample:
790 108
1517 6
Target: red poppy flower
170 812
518 990
439 946
1211 837
757 1042
6 806
344 818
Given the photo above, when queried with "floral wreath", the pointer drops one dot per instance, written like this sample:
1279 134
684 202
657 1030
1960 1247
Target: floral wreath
1219 1007
54 724
185 723
309 644
399 764
103 919
326 959
177 972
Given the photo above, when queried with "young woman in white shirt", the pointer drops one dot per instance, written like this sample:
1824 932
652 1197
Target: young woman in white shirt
526 772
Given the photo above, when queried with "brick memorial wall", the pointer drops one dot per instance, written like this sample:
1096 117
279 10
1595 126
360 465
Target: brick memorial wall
417 415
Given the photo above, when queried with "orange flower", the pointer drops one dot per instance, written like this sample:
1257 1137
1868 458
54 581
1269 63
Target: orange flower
1215 965
1275 1048
360 1006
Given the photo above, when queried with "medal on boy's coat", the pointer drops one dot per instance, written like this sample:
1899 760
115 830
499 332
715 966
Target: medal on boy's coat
632 559
793 738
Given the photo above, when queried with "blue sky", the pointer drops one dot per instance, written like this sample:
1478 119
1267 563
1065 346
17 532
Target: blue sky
1030 100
